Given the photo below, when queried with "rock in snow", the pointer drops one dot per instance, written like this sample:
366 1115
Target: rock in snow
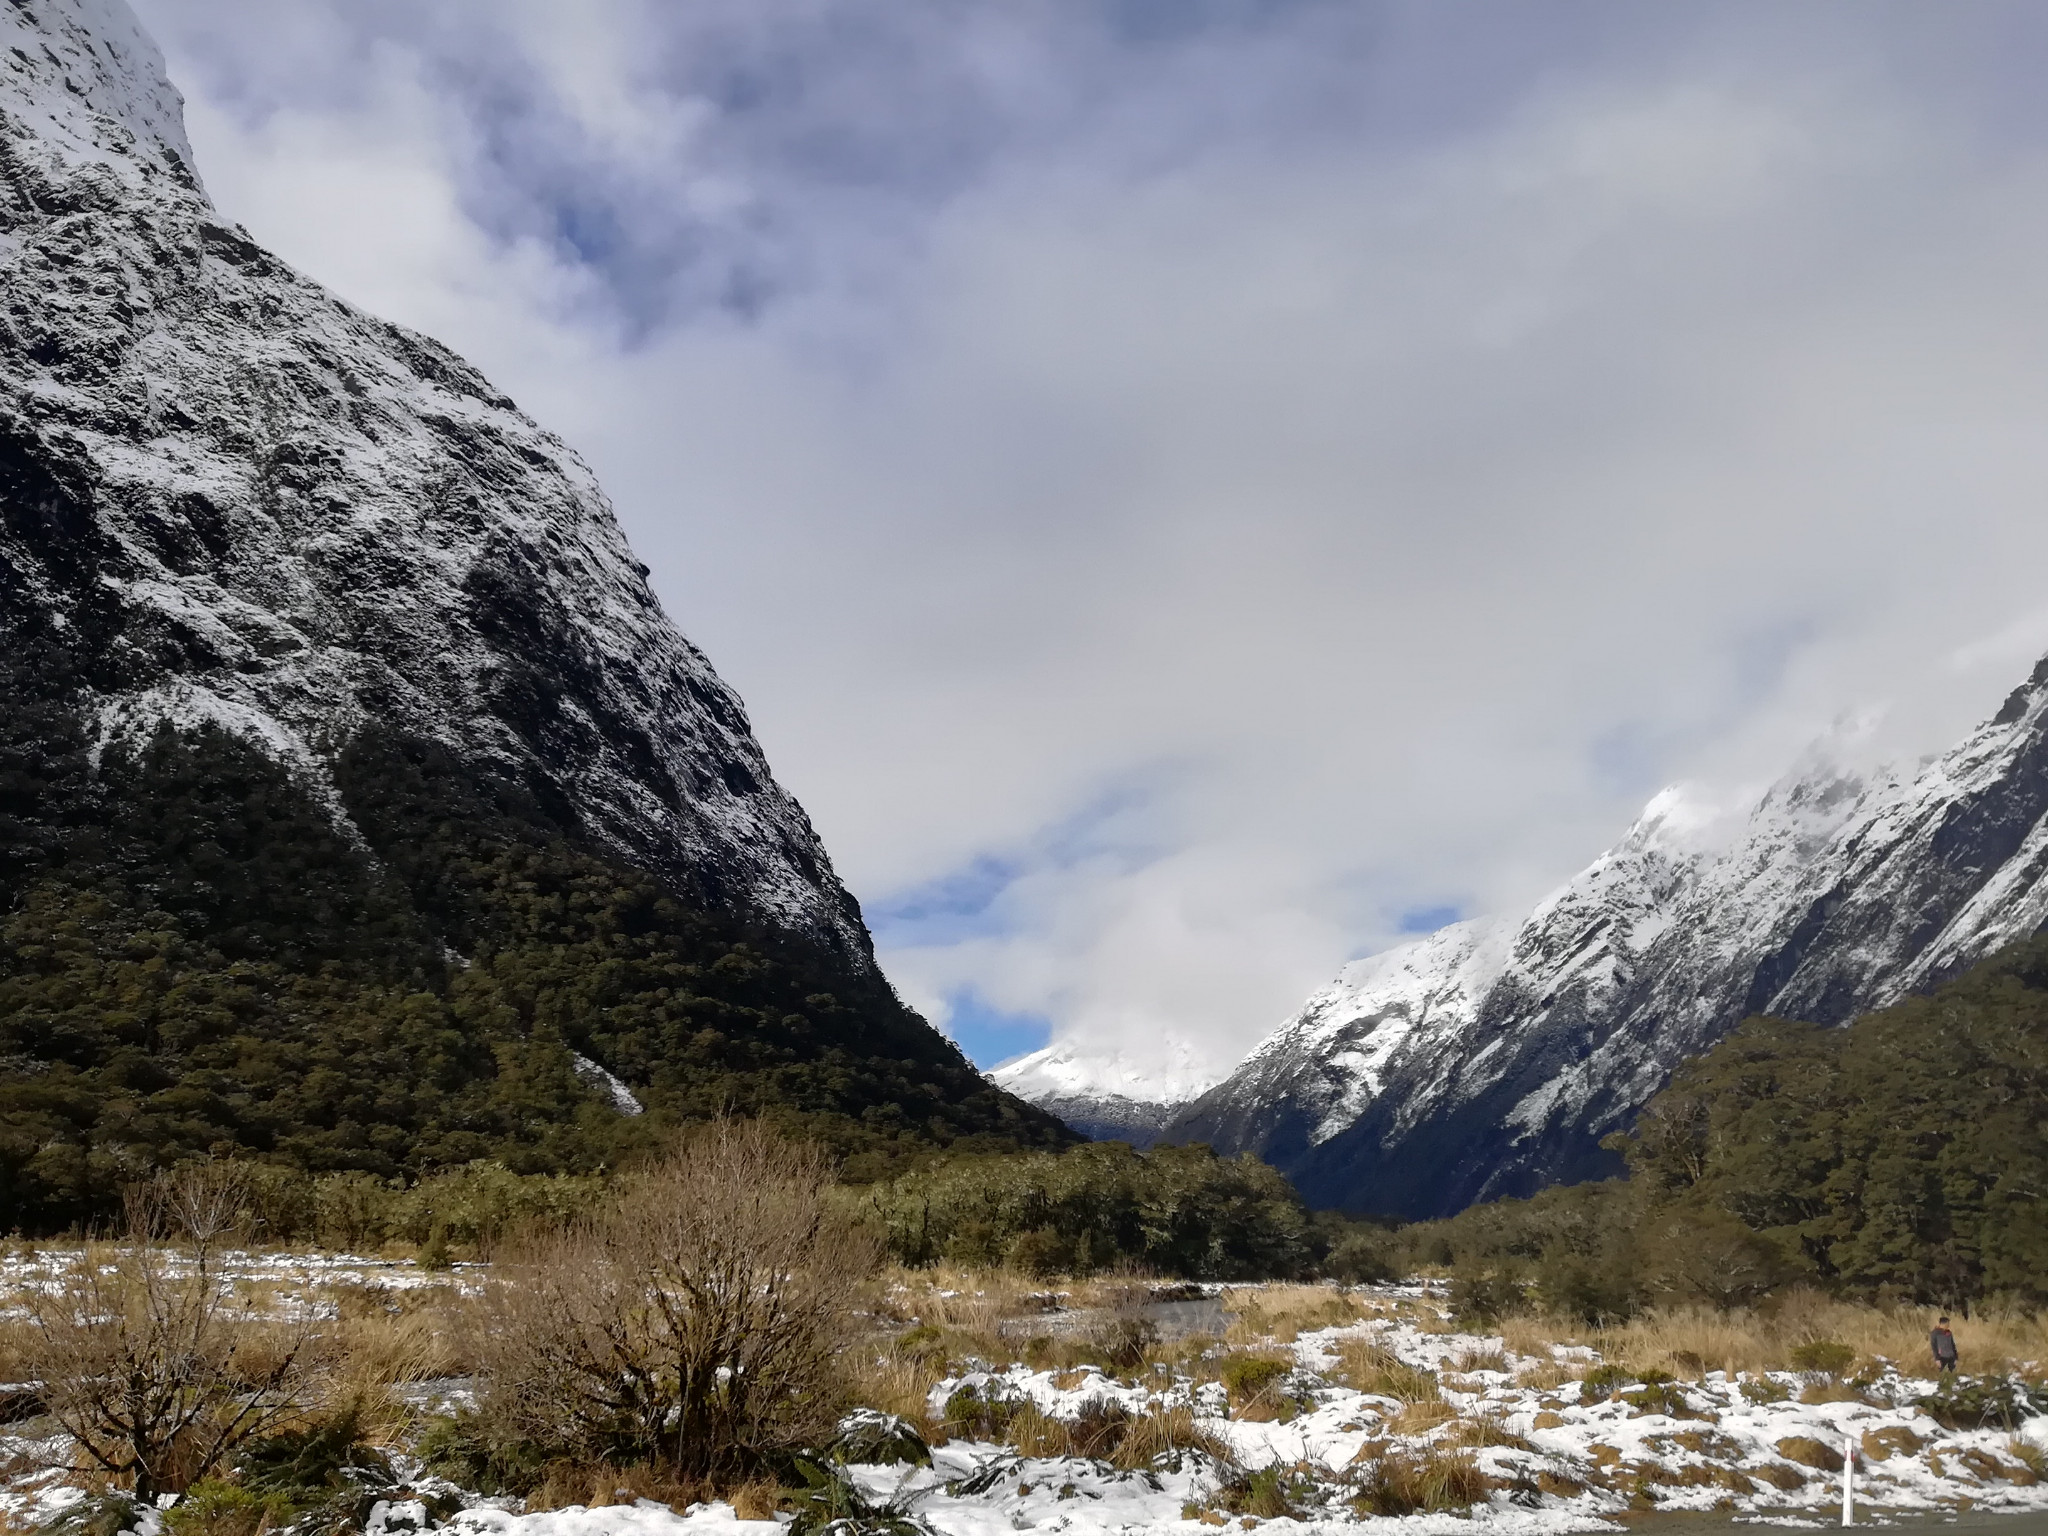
249 503
1491 1058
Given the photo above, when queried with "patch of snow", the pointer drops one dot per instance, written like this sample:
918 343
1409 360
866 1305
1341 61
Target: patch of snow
597 1077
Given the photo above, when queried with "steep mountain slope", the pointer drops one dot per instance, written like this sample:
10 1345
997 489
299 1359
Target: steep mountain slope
1493 1057
1107 1095
333 693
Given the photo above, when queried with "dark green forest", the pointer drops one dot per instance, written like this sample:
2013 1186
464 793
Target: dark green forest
1179 1211
1903 1156
196 957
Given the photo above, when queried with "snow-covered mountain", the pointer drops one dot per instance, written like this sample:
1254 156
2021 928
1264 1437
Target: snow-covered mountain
1492 1057
1107 1094
231 497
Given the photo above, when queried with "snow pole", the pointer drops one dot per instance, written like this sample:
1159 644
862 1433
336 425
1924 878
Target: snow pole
1848 1480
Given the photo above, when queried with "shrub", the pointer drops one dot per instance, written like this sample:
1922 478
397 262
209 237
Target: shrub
215 1508
1602 1382
1122 1340
1269 1493
1360 1259
1984 1404
315 1461
475 1454
880 1439
981 1411
696 1321
1245 1377
1401 1482
1179 1211
1762 1389
1823 1357
1484 1299
146 1362
1665 1397
1041 1253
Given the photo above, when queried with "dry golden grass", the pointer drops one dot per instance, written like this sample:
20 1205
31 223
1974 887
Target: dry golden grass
972 1299
1282 1313
1481 1360
13 1334
1690 1341
1366 1367
1483 1429
599 1487
875 1379
1162 1431
1545 1374
1038 1435
1419 1418
756 1500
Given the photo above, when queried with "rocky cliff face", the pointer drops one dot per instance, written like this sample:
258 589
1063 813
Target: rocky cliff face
1491 1058
230 497
359 806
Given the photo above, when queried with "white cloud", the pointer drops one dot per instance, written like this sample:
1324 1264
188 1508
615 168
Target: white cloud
1246 523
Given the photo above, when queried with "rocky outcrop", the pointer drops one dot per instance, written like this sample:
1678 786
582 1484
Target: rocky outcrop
229 497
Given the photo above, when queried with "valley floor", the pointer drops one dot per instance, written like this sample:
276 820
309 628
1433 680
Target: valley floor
1315 1408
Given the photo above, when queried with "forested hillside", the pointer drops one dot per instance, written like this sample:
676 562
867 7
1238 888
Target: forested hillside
196 959
353 782
1901 1156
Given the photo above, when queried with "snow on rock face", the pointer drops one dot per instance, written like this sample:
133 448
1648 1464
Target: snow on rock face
1108 1094
231 497
1491 1058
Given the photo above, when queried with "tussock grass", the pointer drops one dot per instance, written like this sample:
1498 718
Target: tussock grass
1280 1314
1419 1418
1484 1429
1367 1367
1407 1482
599 1486
876 1379
1688 1342
1163 1432
1481 1360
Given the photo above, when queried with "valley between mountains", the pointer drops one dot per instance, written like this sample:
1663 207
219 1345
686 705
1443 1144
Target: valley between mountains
445 1086
1494 1057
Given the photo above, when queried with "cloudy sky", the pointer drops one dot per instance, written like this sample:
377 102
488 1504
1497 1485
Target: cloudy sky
1192 490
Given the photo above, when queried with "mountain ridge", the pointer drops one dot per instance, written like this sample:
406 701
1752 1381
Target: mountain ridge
1493 1057
354 786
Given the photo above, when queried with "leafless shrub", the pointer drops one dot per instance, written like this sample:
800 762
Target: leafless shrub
695 1322
143 1356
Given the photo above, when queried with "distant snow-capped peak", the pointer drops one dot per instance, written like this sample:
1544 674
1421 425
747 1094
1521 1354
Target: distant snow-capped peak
1067 1069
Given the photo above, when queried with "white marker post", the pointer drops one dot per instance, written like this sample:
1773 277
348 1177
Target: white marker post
1848 1480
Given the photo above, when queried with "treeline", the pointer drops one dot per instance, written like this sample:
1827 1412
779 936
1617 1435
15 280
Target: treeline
1179 1211
196 960
1901 1157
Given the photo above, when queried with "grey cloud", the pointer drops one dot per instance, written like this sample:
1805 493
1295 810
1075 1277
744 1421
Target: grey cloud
1369 446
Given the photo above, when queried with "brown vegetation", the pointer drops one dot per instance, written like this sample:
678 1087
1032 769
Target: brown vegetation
695 1322
142 1355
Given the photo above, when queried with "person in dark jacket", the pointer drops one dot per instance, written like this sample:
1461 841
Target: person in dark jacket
1944 1345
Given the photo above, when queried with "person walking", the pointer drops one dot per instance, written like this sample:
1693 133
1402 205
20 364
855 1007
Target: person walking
1943 1344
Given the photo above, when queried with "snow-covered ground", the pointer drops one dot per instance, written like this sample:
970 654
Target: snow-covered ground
313 1279
1556 1463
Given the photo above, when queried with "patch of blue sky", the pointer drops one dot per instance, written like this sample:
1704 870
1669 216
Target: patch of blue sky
955 907
1429 919
987 1034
